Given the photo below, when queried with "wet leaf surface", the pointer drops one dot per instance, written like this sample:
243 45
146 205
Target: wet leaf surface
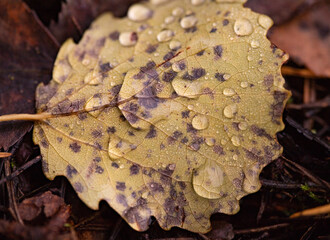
26 60
143 121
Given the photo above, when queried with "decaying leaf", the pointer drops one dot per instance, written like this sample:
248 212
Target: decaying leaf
171 112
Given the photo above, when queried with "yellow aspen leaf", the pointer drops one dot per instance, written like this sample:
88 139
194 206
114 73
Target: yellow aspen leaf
171 112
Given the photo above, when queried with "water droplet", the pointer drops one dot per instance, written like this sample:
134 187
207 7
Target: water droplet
174 45
121 166
190 107
158 2
128 38
187 88
230 110
226 76
229 92
208 180
197 2
243 27
235 157
255 43
223 141
235 141
242 126
250 58
119 147
244 84
177 12
165 35
86 62
178 66
210 141
200 122
188 22
169 19
138 12
265 21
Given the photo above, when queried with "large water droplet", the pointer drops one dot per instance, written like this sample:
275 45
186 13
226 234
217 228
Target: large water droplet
128 39
200 122
229 92
169 19
188 22
243 27
235 141
265 21
210 141
208 180
178 11
165 35
230 110
242 126
174 45
187 88
138 12
119 147
244 84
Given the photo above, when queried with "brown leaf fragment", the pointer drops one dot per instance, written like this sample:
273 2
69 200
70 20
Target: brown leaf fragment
27 54
307 39
77 15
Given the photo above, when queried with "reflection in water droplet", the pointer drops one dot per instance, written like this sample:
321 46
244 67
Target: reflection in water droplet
165 35
243 27
210 141
138 12
200 122
255 43
229 92
235 141
265 21
187 88
230 110
188 22
208 180
244 84
119 147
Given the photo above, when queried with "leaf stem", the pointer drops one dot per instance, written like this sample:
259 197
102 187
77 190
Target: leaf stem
24 117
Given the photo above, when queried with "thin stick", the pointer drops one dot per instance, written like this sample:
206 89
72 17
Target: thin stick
25 116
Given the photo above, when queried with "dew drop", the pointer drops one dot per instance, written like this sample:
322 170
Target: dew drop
235 141
223 141
243 27
187 88
158 2
255 43
174 45
226 76
165 35
210 141
200 122
208 180
118 147
188 22
138 12
178 66
177 12
229 92
230 110
235 157
128 39
250 58
244 84
242 126
197 2
169 19
190 107
265 21
85 62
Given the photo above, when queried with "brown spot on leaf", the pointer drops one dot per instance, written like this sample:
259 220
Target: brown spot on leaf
78 187
134 169
218 150
70 171
75 147
218 51
121 186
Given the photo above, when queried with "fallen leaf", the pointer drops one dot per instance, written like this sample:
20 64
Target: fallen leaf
27 54
76 16
307 39
171 112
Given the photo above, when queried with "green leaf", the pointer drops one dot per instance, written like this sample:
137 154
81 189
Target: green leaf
170 113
